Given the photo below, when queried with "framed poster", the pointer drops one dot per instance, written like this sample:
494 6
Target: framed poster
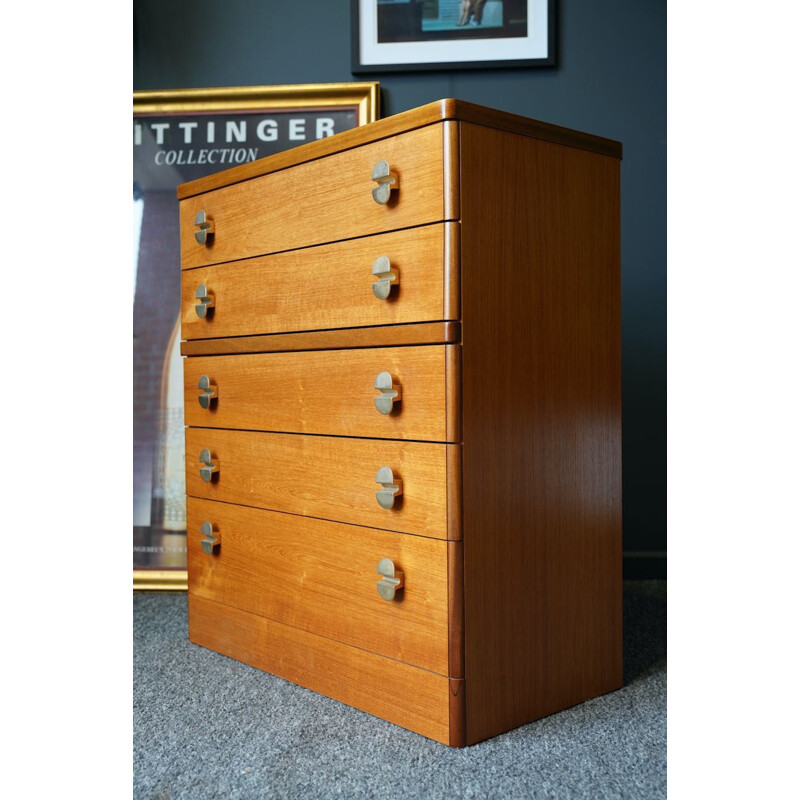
399 35
179 136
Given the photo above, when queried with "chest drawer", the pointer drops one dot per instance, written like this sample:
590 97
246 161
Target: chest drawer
329 477
328 392
329 286
321 577
320 201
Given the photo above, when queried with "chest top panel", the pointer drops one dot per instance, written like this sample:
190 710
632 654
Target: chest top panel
447 109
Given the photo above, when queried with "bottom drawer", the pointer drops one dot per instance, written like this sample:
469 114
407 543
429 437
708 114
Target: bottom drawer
322 577
421 701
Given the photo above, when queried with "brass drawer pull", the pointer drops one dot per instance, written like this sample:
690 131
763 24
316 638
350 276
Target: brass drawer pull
208 391
391 487
387 277
391 579
390 393
205 300
386 179
205 225
209 467
209 541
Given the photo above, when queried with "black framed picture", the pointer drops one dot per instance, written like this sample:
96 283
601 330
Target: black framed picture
399 35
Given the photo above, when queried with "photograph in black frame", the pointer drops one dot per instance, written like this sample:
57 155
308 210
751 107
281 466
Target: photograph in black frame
416 35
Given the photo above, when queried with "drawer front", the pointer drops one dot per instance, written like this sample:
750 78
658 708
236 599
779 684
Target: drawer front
321 201
328 477
321 576
327 392
422 701
329 286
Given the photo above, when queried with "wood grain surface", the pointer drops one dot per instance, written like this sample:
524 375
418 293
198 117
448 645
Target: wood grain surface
541 425
431 113
389 336
458 713
321 576
329 286
455 608
452 369
320 202
328 392
408 696
452 171
328 477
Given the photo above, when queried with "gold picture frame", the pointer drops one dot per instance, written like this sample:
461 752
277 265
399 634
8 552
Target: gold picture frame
364 96
363 99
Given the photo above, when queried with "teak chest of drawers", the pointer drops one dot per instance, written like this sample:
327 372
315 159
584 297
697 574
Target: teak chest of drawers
403 406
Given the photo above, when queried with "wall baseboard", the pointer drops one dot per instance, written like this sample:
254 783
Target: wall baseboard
641 565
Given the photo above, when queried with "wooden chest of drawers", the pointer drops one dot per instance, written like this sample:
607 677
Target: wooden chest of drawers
403 397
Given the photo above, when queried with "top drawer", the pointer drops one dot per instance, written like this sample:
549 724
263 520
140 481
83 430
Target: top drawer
323 201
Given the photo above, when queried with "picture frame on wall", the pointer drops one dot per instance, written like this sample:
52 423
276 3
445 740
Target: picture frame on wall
179 136
405 35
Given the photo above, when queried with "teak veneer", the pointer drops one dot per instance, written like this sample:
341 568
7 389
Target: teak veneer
329 286
330 477
432 113
503 337
329 392
300 207
307 573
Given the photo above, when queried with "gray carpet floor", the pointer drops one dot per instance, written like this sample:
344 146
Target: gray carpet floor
205 726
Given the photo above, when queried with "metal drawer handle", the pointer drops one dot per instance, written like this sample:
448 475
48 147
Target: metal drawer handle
386 179
390 393
209 541
205 225
208 391
207 471
391 487
387 277
391 579
205 300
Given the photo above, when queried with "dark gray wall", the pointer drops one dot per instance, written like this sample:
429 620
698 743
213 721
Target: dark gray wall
610 80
